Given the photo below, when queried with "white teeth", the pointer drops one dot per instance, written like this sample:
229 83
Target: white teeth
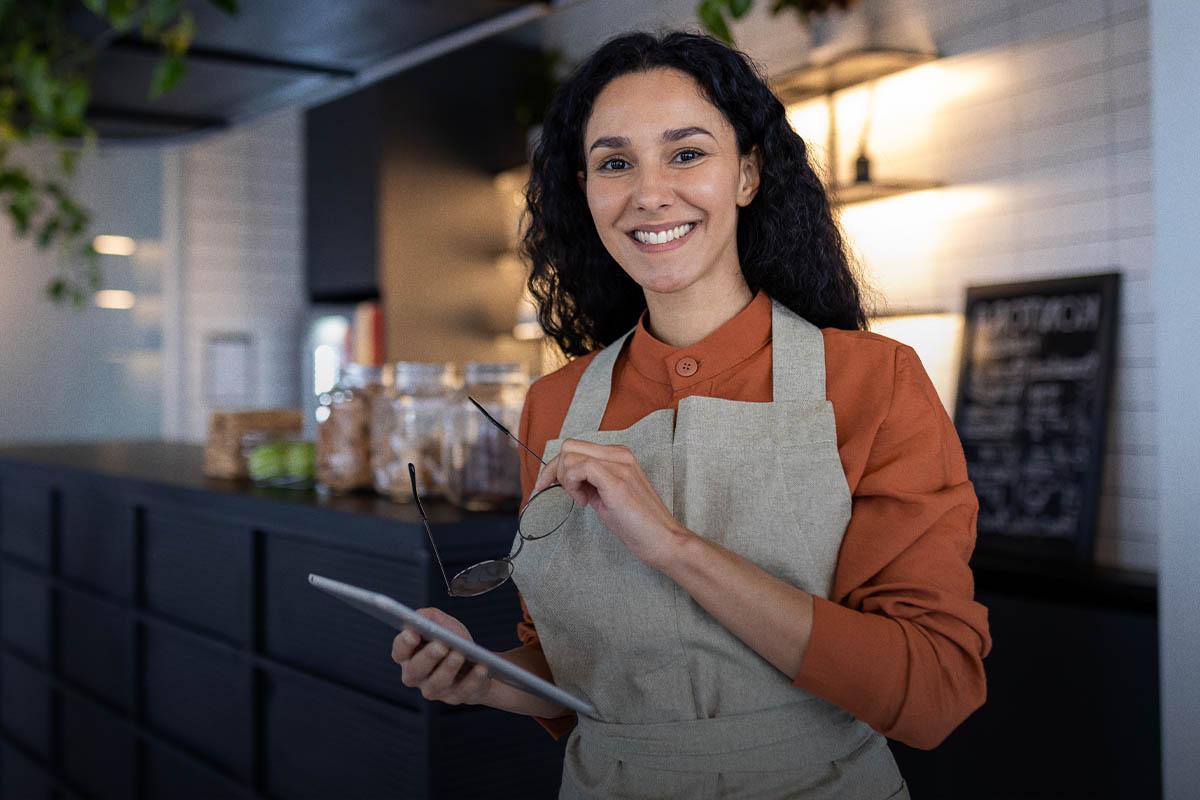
662 237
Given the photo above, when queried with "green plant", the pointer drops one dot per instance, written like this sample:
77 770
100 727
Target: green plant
712 12
44 94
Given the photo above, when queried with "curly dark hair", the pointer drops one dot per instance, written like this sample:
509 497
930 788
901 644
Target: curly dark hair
788 242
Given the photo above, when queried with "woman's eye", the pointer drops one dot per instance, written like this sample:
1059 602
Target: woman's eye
688 155
614 164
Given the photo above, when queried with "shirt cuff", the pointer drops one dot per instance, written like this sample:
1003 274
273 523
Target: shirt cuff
857 661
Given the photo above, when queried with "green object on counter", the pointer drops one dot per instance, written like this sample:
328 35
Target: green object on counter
300 460
282 462
266 461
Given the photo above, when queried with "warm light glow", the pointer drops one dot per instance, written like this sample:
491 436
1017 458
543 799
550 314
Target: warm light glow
937 338
114 298
327 360
810 119
904 111
901 239
114 245
331 330
527 327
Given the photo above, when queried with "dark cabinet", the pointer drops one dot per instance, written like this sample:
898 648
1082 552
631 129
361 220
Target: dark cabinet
341 197
159 638
418 131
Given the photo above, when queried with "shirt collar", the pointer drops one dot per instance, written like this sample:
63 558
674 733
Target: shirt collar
726 347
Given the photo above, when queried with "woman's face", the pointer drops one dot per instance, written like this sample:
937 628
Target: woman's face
664 182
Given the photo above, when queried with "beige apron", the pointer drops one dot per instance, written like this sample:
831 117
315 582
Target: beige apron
685 708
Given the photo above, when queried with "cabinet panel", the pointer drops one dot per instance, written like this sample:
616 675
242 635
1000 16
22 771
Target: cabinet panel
313 630
322 743
26 519
20 778
200 697
96 647
97 539
508 755
173 777
197 570
25 703
98 751
341 198
25 612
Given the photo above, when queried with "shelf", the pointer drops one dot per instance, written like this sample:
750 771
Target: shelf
853 193
849 69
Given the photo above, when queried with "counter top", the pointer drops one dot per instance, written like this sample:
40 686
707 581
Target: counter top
180 466
179 469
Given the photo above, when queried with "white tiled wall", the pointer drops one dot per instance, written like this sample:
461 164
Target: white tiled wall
1038 121
238 249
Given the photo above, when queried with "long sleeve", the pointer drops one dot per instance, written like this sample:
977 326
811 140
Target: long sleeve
901 641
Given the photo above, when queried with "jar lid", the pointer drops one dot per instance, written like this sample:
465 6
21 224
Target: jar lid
419 373
359 375
483 372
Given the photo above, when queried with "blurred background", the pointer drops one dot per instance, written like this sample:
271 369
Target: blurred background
341 182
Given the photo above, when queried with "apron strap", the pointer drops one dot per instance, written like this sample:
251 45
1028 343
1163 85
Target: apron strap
591 396
797 357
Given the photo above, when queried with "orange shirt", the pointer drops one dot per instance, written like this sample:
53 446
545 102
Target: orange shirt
901 641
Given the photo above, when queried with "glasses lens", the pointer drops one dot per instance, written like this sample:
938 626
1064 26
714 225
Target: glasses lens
483 577
545 512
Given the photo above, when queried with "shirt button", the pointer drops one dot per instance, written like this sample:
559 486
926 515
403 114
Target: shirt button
686 367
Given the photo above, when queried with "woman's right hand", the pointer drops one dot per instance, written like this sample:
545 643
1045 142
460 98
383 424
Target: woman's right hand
440 673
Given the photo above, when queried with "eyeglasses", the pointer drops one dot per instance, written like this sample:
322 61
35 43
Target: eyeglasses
545 513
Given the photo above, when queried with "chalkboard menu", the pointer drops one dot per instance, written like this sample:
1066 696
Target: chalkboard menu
1032 409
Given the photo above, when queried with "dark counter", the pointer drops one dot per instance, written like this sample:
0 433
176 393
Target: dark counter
158 638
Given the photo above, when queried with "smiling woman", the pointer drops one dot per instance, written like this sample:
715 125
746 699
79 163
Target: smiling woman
665 197
766 570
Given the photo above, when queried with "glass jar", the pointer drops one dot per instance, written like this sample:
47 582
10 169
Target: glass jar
343 447
407 425
483 467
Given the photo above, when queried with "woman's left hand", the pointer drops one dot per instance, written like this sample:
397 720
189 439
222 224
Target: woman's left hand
609 479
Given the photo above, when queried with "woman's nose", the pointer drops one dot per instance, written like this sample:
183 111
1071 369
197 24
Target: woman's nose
653 189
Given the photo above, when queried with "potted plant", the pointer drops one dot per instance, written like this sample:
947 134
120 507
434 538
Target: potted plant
44 94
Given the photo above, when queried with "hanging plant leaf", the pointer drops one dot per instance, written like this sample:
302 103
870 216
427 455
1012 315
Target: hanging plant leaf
709 12
44 94
738 8
167 74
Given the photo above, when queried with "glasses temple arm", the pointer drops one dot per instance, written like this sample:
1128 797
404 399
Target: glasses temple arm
412 475
507 433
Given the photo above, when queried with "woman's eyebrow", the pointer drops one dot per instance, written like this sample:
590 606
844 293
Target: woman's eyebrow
672 135
676 134
613 142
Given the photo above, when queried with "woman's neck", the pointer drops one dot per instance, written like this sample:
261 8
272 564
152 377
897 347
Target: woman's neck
683 318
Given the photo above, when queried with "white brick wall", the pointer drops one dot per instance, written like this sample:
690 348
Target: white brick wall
1038 121
238 249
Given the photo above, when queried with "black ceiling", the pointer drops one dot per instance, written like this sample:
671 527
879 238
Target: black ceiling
276 53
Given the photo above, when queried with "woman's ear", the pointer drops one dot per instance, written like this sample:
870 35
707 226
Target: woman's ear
582 180
751 172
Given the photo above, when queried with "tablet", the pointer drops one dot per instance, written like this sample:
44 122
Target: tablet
397 615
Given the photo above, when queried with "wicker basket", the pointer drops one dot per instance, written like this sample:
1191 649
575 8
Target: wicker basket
223 450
